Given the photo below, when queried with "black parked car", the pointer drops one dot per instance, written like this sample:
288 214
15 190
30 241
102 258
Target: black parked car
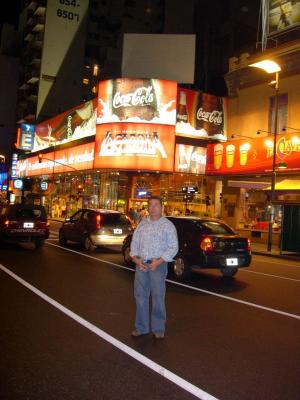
203 243
95 227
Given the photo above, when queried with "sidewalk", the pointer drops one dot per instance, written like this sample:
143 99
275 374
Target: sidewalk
261 249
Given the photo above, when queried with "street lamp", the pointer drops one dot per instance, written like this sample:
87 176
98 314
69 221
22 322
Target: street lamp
271 67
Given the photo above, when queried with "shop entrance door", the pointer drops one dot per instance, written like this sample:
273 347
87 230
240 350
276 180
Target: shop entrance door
290 240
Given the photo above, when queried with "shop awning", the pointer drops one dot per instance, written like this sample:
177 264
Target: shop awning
248 184
286 184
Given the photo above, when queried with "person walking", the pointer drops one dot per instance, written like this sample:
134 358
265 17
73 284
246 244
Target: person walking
154 244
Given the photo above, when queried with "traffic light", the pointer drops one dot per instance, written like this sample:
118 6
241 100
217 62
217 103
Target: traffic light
40 156
221 196
207 200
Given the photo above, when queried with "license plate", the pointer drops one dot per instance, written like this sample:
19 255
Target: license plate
118 231
28 225
231 261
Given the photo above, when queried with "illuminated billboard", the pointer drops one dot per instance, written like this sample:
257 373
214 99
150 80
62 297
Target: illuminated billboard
73 124
75 158
190 159
133 146
137 100
283 15
254 155
200 115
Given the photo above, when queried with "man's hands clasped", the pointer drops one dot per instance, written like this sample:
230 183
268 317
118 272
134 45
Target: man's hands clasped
147 267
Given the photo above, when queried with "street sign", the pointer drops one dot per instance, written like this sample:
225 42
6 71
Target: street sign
18 184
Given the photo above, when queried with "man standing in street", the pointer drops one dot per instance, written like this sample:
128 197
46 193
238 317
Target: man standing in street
154 244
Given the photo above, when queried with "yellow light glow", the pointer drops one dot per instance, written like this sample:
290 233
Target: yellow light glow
267 65
269 143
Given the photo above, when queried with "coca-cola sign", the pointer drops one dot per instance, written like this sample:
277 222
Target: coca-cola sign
142 96
200 115
214 117
137 100
73 124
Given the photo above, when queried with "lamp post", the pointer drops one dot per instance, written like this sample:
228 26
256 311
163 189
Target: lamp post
272 67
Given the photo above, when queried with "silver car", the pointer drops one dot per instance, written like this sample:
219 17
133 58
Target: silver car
95 227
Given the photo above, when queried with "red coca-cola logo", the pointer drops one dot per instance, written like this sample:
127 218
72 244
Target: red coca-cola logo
142 96
214 117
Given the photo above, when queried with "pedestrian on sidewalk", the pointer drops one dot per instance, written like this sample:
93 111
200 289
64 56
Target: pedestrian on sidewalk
154 244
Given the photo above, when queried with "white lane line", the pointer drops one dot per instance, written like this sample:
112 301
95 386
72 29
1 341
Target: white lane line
273 310
165 373
271 275
282 263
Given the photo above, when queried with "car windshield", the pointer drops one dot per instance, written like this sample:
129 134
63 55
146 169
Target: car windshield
27 212
217 228
114 219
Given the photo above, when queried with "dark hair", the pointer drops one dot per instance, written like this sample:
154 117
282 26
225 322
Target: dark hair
155 198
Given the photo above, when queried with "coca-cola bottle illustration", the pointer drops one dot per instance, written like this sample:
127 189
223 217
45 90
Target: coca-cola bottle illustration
134 98
66 127
210 114
182 111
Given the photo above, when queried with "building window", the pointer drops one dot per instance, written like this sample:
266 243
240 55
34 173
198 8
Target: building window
85 81
96 70
282 113
95 89
94 4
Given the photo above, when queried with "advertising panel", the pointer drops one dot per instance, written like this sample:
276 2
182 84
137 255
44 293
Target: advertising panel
26 138
283 15
73 124
142 54
200 115
63 35
78 157
133 146
190 159
253 155
137 100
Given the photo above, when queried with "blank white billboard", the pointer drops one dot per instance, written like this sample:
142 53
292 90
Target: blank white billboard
160 56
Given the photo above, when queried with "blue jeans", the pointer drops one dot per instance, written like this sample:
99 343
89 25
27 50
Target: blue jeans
146 283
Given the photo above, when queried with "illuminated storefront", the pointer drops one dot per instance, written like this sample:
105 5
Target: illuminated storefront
246 167
134 145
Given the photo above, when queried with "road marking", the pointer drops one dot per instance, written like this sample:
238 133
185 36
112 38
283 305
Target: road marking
54 233
277 263
164 372
273 310
273 276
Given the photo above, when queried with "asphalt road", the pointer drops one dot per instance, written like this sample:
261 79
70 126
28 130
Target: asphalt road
66 317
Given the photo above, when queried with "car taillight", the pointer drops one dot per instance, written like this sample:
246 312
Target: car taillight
248 244
44 224
206 244
98 221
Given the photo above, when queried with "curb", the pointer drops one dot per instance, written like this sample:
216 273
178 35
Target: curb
282 256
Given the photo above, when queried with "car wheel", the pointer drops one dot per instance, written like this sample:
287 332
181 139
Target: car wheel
229 272
39 243
181 270
62 238
88 244
127 259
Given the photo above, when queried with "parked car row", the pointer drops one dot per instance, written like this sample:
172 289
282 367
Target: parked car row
204 243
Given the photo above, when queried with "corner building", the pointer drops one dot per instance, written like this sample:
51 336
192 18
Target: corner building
140 137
